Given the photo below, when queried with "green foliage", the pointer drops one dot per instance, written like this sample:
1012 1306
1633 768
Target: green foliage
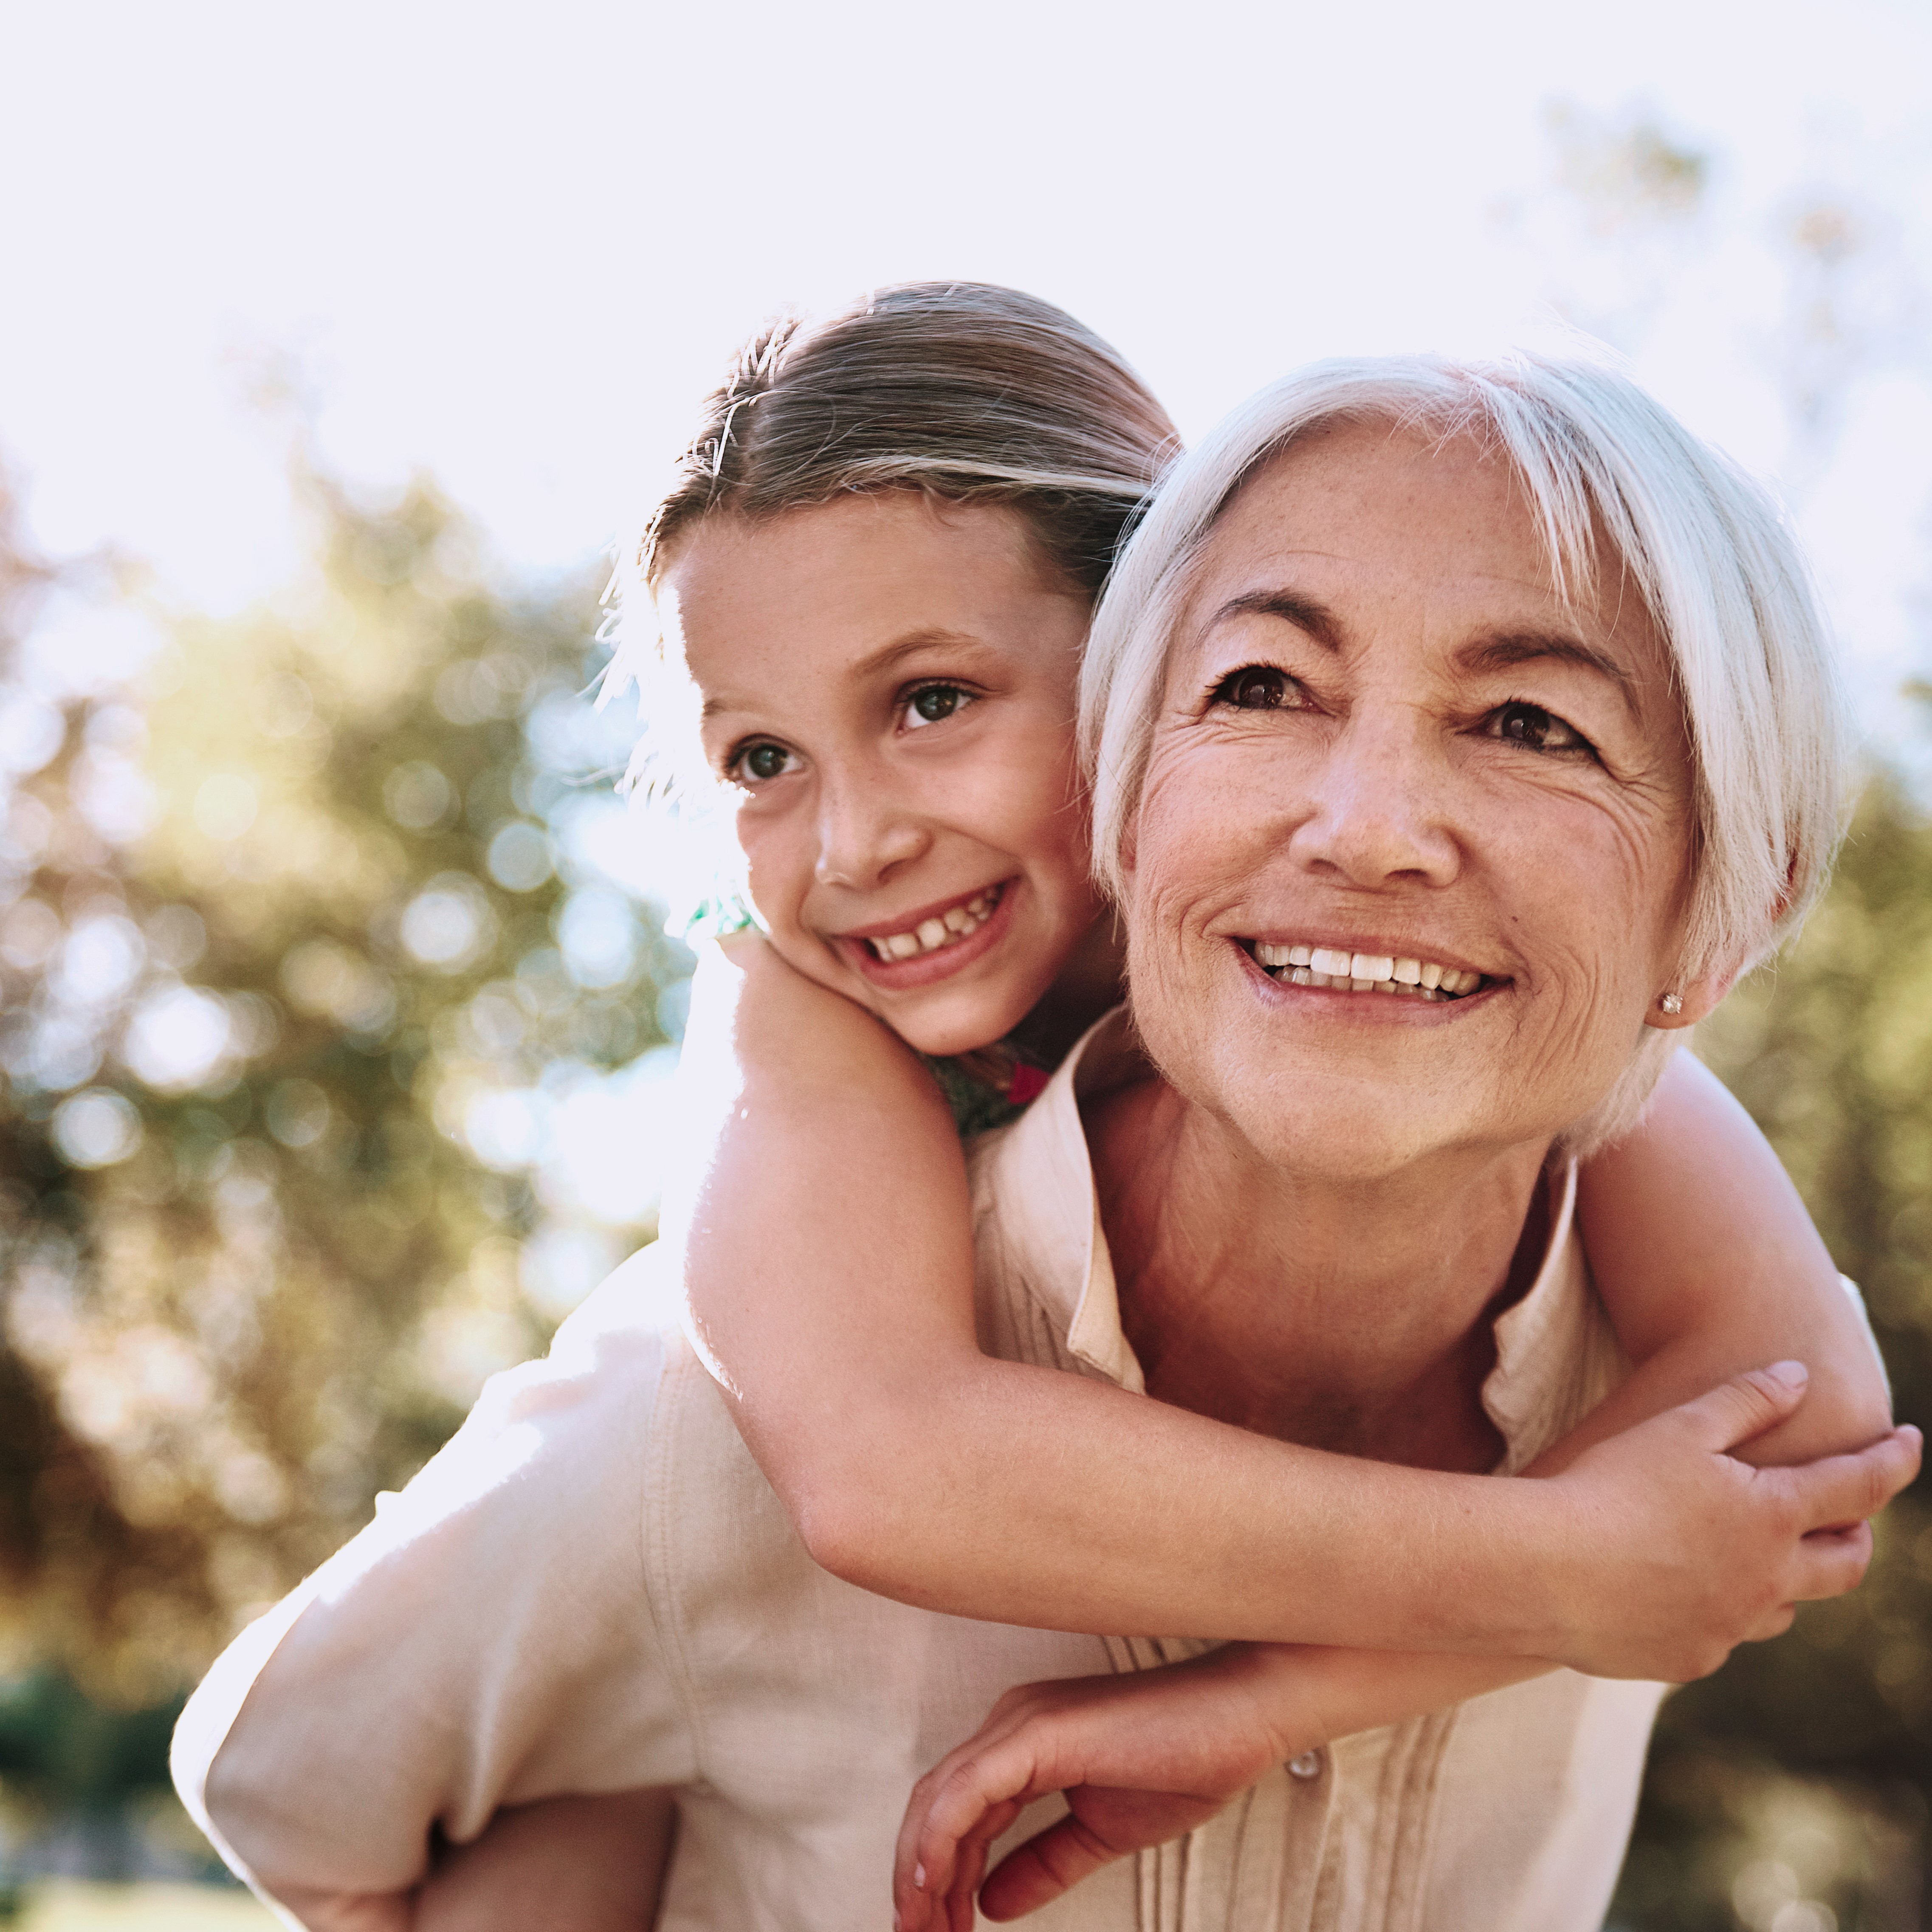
1809 1760
67 1752
271 926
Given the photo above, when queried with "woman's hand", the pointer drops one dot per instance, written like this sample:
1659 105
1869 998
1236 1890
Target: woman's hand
1141 1759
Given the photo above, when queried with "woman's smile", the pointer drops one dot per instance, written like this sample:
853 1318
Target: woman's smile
1350 969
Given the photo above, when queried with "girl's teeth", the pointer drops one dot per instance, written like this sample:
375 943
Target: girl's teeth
1366 972
942 929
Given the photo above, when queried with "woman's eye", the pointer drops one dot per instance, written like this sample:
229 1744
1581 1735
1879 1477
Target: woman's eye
1541 730
760 764
1256 687
933 704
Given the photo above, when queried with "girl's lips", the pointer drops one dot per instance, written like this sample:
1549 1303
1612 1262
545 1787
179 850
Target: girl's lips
926 969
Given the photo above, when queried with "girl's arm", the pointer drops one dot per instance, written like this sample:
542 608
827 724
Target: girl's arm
569 1864
915 1465
1708 1263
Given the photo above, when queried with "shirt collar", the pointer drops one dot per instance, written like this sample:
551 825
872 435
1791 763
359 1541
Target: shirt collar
1036 1178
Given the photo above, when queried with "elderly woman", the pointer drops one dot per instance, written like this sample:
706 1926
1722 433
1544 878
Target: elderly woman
1457 736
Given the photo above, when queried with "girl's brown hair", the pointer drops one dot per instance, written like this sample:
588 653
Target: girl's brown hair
967 392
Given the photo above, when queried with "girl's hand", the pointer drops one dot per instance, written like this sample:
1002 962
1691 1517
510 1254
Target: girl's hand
1716 1552
1141 1759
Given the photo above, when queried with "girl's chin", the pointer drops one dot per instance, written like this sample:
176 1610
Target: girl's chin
943 1024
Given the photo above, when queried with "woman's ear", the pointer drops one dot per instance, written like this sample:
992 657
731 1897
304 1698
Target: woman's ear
1685 1002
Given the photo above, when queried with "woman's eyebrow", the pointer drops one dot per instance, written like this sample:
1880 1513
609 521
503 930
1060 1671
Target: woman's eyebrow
1306 613
1511 648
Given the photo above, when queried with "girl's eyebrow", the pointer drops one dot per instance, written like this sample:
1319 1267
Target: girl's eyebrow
879 661
886 655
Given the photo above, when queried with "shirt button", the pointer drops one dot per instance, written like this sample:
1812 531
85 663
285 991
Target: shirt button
1308 1765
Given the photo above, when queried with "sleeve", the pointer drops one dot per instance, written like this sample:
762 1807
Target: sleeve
490 1639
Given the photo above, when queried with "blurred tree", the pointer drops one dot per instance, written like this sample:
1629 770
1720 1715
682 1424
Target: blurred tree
1791 1792
284 928
1803 1770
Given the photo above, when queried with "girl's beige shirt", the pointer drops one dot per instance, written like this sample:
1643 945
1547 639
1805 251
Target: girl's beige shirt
592 1588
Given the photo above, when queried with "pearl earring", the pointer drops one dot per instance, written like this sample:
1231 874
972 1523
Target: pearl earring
1671 1003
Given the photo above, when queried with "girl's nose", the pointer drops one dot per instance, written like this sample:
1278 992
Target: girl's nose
863 837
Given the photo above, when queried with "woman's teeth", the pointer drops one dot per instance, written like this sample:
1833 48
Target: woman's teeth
1365 972
945 928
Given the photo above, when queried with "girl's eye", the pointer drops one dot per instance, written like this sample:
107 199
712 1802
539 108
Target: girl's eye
758 764
1257 688
1540 730
933 704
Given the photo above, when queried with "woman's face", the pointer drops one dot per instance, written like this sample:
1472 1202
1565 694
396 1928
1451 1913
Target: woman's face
1384 736
888 686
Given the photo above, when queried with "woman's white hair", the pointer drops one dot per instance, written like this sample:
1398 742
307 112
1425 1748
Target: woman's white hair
1602 467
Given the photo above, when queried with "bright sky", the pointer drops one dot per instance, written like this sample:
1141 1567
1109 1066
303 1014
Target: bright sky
513 243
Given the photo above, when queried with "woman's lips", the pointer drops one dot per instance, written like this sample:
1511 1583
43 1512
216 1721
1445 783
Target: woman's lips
1360 976
982 931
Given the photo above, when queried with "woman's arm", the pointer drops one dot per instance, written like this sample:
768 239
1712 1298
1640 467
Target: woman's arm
1708 1263
916 1466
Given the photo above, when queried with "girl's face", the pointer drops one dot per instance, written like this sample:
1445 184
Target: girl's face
888 687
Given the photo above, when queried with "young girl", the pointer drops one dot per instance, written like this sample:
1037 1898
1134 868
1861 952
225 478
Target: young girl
877 568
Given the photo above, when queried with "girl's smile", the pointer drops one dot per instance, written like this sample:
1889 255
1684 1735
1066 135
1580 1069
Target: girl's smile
921 948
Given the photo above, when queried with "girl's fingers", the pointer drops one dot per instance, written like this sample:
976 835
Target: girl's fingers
976 1799
1829 1562
972 1868
966 1800
1838 1489
1043 1867
1745 1406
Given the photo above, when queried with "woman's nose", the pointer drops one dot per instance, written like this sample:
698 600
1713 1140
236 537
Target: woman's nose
863 837
1377 808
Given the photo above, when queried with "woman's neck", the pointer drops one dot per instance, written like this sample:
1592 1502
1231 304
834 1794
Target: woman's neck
1355 1317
